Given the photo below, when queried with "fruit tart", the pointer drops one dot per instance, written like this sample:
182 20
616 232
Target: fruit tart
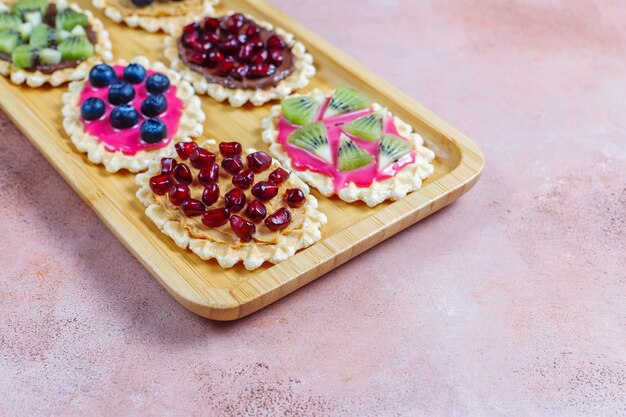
238 58
342 144
230 206
155 15
123 115
49 42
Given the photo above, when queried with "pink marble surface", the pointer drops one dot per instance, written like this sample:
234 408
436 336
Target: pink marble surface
508 303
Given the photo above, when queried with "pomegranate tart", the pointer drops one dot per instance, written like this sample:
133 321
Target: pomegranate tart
123 116
49 42
344 145
155 15
239 59
228 206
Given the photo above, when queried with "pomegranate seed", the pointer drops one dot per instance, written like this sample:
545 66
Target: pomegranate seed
211 24
232 165
275 41
192 207
184 149
216 217
242 228
295 197
264 190
197 58
209 174
224 68
261 57
241 38
183 174
230 149
212 38
279 220
244 179
190 27
259 161
277 56
246 52
167 165
190 38
235 22
160 184
278 176
239 72
215 58
211 194
258 44
235 200
229 47
253 31
178 193
256 211
262 70
200 158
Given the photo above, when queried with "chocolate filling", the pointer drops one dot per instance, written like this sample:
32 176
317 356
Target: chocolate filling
49 19
210 74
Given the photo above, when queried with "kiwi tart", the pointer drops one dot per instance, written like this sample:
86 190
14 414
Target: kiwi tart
49 42
344 145
230 205
155 15
237 58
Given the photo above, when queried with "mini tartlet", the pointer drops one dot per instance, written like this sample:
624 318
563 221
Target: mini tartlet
154 16
125 115
240 59
344 145
49 42
229 206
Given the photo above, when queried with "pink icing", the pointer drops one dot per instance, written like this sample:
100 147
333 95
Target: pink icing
129 140
303 160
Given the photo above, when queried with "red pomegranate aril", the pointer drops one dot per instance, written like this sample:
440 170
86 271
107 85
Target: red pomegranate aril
242 228
232 165
160 184
261 57
239 72
190 27
167 165
200 158
246 52
253 31
211 24
216 217
278 176
277 56
184 149
275 41
295 197
242 38
192 207
182 173
215 58
259 161
235 22
229 47
214 38
256 211
197 58
279 220
262 70
190 38
258 44
224 68
244 179
230 149
264 190
178 193
235 200
209 174
211 194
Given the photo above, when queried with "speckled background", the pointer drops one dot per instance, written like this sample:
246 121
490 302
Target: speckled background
508 303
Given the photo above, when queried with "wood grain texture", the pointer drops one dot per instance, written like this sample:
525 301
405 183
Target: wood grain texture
204 287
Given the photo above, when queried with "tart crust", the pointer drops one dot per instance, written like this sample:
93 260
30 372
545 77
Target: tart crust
409 179
102 52
163 17
252 254
190 123
303 71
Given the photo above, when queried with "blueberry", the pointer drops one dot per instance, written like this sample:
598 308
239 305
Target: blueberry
102 75
92 109
153 131
134 73
154 105
121 93
157 83
142 3
124 116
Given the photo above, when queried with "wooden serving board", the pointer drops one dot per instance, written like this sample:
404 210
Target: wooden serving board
204 287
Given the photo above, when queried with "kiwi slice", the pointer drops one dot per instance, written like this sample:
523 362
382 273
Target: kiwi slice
41 36
300 110
313 138
24 30
368 127
345 100
22 7
34 17
24 56
9 40
49 56
68 19
9 21
351 156
391 149
75 47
